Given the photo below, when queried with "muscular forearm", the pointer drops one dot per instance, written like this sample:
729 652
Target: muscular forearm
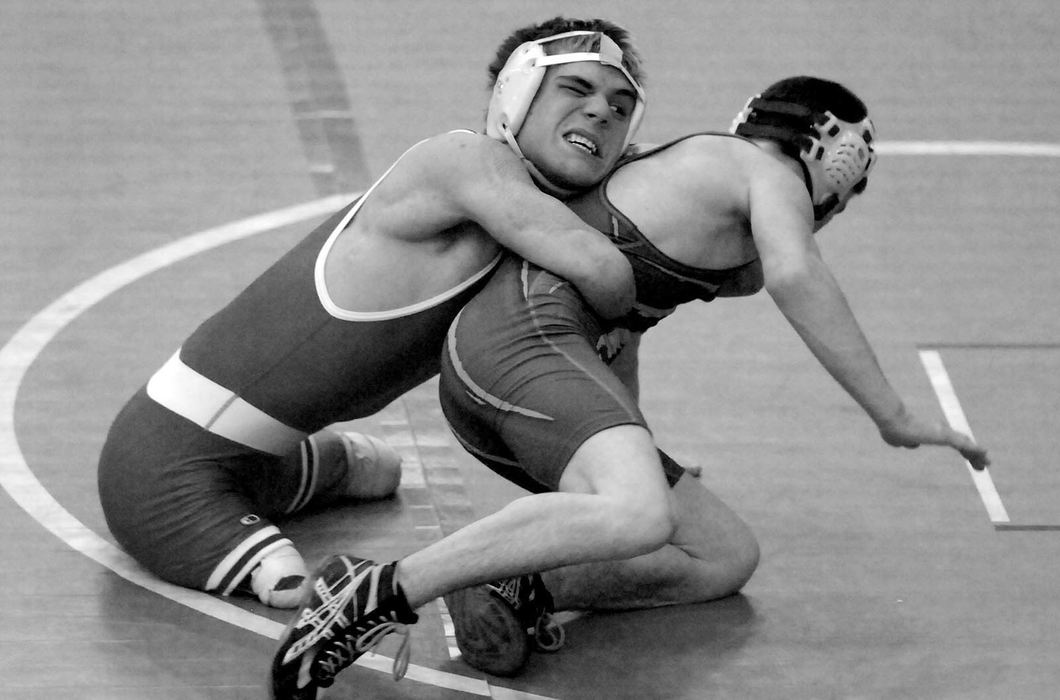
607 287
477 179
818 311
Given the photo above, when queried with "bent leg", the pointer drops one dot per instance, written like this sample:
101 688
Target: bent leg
615 503
327 467
712 554
173 497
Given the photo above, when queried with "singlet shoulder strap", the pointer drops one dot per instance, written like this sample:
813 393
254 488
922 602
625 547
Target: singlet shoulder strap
664 146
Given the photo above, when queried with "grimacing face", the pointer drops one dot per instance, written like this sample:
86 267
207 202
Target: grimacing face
577 124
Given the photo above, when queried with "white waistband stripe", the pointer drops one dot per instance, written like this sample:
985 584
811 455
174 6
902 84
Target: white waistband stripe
217 409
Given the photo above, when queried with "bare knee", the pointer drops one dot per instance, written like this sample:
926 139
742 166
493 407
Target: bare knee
620 466
741 563
695 579
722 549
642 524
732 564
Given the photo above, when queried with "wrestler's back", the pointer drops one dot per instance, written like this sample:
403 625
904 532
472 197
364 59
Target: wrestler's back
685 238
694 207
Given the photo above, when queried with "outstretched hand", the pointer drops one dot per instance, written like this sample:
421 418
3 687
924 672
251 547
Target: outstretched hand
909 430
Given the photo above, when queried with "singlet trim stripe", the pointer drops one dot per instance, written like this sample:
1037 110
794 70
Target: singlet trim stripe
306 467
524 275
241 560
475 390
348 315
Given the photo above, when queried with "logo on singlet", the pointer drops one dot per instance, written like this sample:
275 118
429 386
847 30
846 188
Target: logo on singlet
249 519
611 343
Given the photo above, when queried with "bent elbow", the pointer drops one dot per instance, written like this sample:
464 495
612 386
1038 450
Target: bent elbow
783 279
611 290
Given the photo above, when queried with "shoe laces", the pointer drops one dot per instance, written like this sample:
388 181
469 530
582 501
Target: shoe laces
549 635
533 604
340 653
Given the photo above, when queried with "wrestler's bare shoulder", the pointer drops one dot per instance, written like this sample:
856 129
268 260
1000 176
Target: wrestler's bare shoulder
431 188
703 153
456 159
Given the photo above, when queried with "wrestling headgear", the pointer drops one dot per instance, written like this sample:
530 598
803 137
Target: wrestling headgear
519 80
837 155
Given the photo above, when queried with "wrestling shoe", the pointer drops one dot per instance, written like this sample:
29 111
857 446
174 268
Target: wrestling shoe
350 605
498 624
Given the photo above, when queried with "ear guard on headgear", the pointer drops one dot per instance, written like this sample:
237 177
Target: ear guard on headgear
837 155
519 80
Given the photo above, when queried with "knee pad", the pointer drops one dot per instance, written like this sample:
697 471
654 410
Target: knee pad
373 467
278 580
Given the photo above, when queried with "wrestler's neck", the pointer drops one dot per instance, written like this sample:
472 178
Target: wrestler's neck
548 186
542 181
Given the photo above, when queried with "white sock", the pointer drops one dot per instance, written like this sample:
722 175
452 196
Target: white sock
278 579
373 467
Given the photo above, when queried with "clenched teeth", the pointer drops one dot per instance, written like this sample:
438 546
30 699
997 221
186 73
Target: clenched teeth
582 142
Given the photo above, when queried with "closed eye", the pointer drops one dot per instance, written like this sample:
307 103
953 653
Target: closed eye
621 101
576 85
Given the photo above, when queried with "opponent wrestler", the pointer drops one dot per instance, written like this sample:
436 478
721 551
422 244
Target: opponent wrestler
229 433
611 523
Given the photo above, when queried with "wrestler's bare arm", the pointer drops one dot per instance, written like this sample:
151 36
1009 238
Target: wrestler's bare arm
809 296
475 178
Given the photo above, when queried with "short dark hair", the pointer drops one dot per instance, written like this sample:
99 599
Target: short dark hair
559 25
818 95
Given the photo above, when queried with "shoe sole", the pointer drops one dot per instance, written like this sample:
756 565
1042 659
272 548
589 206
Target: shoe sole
488 633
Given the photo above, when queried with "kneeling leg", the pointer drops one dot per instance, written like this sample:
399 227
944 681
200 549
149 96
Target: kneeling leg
712 554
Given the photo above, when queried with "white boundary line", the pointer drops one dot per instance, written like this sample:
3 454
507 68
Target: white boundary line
951 407
26 344
968 148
